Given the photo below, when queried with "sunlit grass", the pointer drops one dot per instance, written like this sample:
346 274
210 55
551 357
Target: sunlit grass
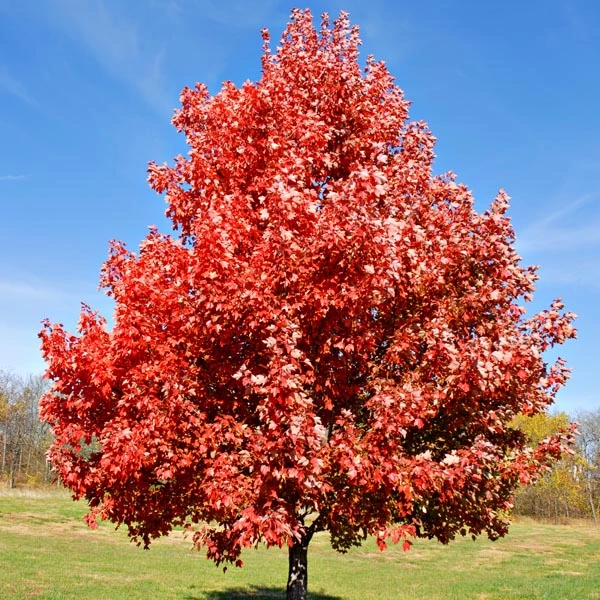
47 552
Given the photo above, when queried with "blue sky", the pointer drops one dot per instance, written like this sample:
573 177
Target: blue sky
87 89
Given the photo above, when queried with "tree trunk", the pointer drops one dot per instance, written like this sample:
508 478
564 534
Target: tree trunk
297 584
591 499
4 448
11 476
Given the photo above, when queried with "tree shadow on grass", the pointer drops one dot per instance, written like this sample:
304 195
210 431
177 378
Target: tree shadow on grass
257 593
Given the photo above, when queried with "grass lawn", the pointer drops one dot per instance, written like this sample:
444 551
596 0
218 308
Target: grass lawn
47 552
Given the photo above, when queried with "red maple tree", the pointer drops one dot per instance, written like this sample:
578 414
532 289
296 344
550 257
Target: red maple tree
334 342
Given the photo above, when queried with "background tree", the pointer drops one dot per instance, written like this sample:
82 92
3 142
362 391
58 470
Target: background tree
336 341
24 440
560 493
588 444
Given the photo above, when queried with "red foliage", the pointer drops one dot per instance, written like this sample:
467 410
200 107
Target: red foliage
335 342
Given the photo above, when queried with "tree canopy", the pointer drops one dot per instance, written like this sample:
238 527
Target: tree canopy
334 340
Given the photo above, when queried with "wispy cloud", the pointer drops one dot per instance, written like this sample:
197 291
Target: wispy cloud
557 233
566 243
24 301
21 352
578 24
582 272
560 239
239 13
566 210
29 291
13 177
9 84
117 44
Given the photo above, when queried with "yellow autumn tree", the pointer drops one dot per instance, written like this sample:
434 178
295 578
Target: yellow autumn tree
560 492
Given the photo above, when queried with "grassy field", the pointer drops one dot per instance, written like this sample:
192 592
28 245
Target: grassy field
47 552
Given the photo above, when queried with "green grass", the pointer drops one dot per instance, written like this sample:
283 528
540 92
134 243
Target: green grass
47 552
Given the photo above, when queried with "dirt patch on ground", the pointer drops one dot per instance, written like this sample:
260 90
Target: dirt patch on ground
51 529
488 556
40 526
386 556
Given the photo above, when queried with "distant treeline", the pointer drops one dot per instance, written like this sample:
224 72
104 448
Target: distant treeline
571 489
23 438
